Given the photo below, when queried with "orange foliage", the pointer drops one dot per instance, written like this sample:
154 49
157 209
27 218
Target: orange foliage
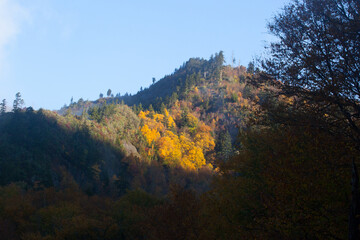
170 149
151 135
143 115
203 138
158 117
171 122
193 156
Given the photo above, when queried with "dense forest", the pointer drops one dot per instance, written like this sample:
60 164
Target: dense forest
211 151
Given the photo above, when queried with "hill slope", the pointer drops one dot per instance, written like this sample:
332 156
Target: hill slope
182 125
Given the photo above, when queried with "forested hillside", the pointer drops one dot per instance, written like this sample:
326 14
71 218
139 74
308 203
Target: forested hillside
211 151
206 89
110 147
176 140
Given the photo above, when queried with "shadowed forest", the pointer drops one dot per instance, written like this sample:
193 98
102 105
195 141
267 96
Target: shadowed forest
210 151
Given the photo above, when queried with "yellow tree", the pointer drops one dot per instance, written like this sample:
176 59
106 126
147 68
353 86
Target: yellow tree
170 149
193 156
203 138
151 135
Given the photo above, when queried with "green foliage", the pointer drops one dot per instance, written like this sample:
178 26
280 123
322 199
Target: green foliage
234 97
180 82
36 145
151 111
224 146
100 113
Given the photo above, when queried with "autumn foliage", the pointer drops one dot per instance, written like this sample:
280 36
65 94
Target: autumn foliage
177 146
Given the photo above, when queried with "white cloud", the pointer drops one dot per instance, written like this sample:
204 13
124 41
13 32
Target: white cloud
12 15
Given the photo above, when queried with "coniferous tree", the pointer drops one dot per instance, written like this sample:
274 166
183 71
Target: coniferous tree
135 109
3 107
151 111
219 58
81 101
108 92
162 108
184 117
251 68
140 107
18 102
84 114
224 147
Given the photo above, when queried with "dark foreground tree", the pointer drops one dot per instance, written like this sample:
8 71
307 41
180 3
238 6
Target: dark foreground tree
317 57
286 182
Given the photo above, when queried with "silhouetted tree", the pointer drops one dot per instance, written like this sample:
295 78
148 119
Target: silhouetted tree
81 101
317 57
251 67
108 92
101 95
3 107
18 102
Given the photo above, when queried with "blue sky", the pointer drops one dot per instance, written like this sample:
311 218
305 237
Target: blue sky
52 50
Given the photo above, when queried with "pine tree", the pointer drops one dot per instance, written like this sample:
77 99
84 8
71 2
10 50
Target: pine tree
3 107
251 67
162 108
151 111
84 114
224 146
18 102
135 109
140 107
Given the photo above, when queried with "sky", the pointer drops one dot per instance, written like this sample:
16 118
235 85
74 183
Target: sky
51 50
